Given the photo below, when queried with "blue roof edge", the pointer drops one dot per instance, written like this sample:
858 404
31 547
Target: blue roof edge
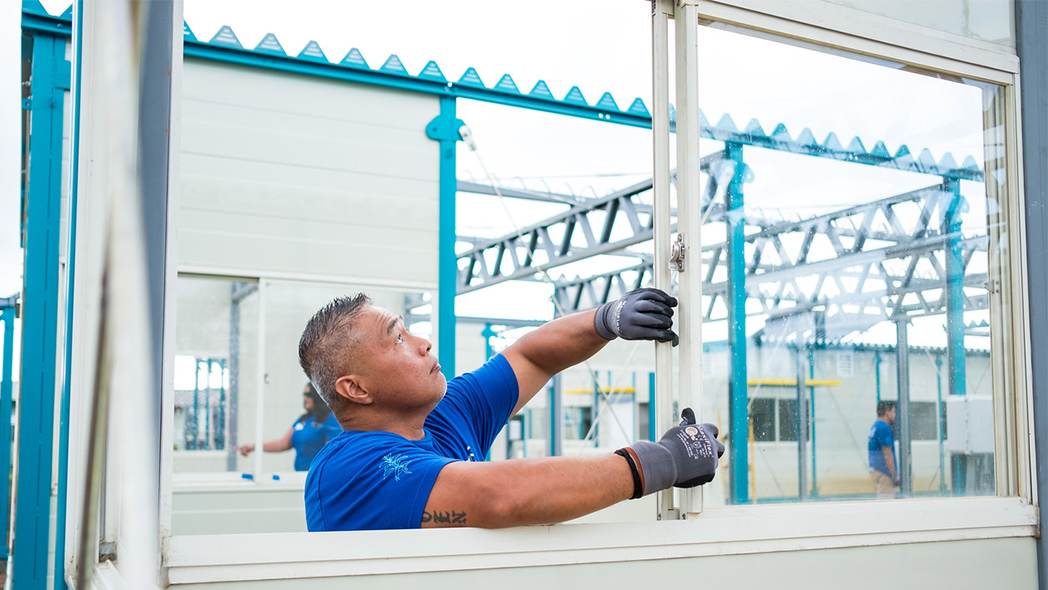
224 46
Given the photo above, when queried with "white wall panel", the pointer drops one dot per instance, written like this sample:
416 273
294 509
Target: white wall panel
283 174
986 563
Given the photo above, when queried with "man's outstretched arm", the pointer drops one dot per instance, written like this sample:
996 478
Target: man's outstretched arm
645 314
555 489
526 491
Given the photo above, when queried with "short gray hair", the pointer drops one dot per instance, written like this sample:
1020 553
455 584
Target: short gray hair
325 347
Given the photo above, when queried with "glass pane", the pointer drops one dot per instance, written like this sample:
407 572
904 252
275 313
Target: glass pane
788 420
218 385
853 196
215 361
762 419
988 20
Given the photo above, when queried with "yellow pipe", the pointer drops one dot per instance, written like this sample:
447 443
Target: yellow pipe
793 382
602 390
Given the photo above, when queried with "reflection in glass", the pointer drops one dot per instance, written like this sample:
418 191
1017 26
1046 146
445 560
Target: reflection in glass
222 324
215 360
850 258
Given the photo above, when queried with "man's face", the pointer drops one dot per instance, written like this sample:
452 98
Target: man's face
395 367
889 416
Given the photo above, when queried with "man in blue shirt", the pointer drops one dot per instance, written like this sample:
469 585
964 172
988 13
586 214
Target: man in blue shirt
883 469
412 452
307 434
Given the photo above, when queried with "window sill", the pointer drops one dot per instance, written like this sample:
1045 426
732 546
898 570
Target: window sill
721 531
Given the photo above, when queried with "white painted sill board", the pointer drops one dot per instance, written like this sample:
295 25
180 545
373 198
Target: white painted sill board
721 531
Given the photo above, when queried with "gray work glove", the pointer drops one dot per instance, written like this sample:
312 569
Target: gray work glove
644 314
685 457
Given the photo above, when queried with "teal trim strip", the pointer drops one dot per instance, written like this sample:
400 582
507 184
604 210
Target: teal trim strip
63 411
938 424
7 316
955 351
877 373
811 408
40 314
738 389
445 129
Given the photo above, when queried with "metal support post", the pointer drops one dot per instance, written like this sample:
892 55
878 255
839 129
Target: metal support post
487 333
237 294
735 300
955 351
651 407
207 406
877 373
7 316
802 421
192 427
49 79
260 381
811 410
938 424
445 130
220 423
956 373
556 417
902 413
595 429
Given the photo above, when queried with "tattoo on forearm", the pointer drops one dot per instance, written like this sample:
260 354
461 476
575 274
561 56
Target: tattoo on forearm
444 517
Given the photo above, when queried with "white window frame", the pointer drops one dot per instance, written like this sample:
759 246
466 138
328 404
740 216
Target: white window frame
736 529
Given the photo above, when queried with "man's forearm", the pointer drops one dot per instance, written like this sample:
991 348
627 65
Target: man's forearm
562 343
550 349
889 460
526 491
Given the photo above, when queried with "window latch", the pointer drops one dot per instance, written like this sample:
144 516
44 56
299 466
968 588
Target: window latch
677 253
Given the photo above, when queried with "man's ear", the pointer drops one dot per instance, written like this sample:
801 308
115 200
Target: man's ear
349 387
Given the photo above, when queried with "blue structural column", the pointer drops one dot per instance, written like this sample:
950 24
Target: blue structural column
811 409
736 304
652 425
955 356
955 353
49 78
7 316
938 423
445 129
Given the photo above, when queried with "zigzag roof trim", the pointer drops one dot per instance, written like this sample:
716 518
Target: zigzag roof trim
725 129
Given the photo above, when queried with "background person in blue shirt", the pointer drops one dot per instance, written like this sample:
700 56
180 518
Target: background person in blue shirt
883 468
412 452
307 435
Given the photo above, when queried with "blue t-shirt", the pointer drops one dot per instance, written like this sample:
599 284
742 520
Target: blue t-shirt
308 437
881 435
380 480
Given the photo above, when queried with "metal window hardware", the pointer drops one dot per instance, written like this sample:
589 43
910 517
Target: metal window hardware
677 253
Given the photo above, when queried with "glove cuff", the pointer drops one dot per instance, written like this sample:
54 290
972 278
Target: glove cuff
606 320
655 463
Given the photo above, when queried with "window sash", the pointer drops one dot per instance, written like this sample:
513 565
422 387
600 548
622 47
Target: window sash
215 558
725 531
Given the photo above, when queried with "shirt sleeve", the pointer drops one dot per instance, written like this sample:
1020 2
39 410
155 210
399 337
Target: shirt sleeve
482 399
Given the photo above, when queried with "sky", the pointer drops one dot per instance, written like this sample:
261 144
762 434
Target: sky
599 48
